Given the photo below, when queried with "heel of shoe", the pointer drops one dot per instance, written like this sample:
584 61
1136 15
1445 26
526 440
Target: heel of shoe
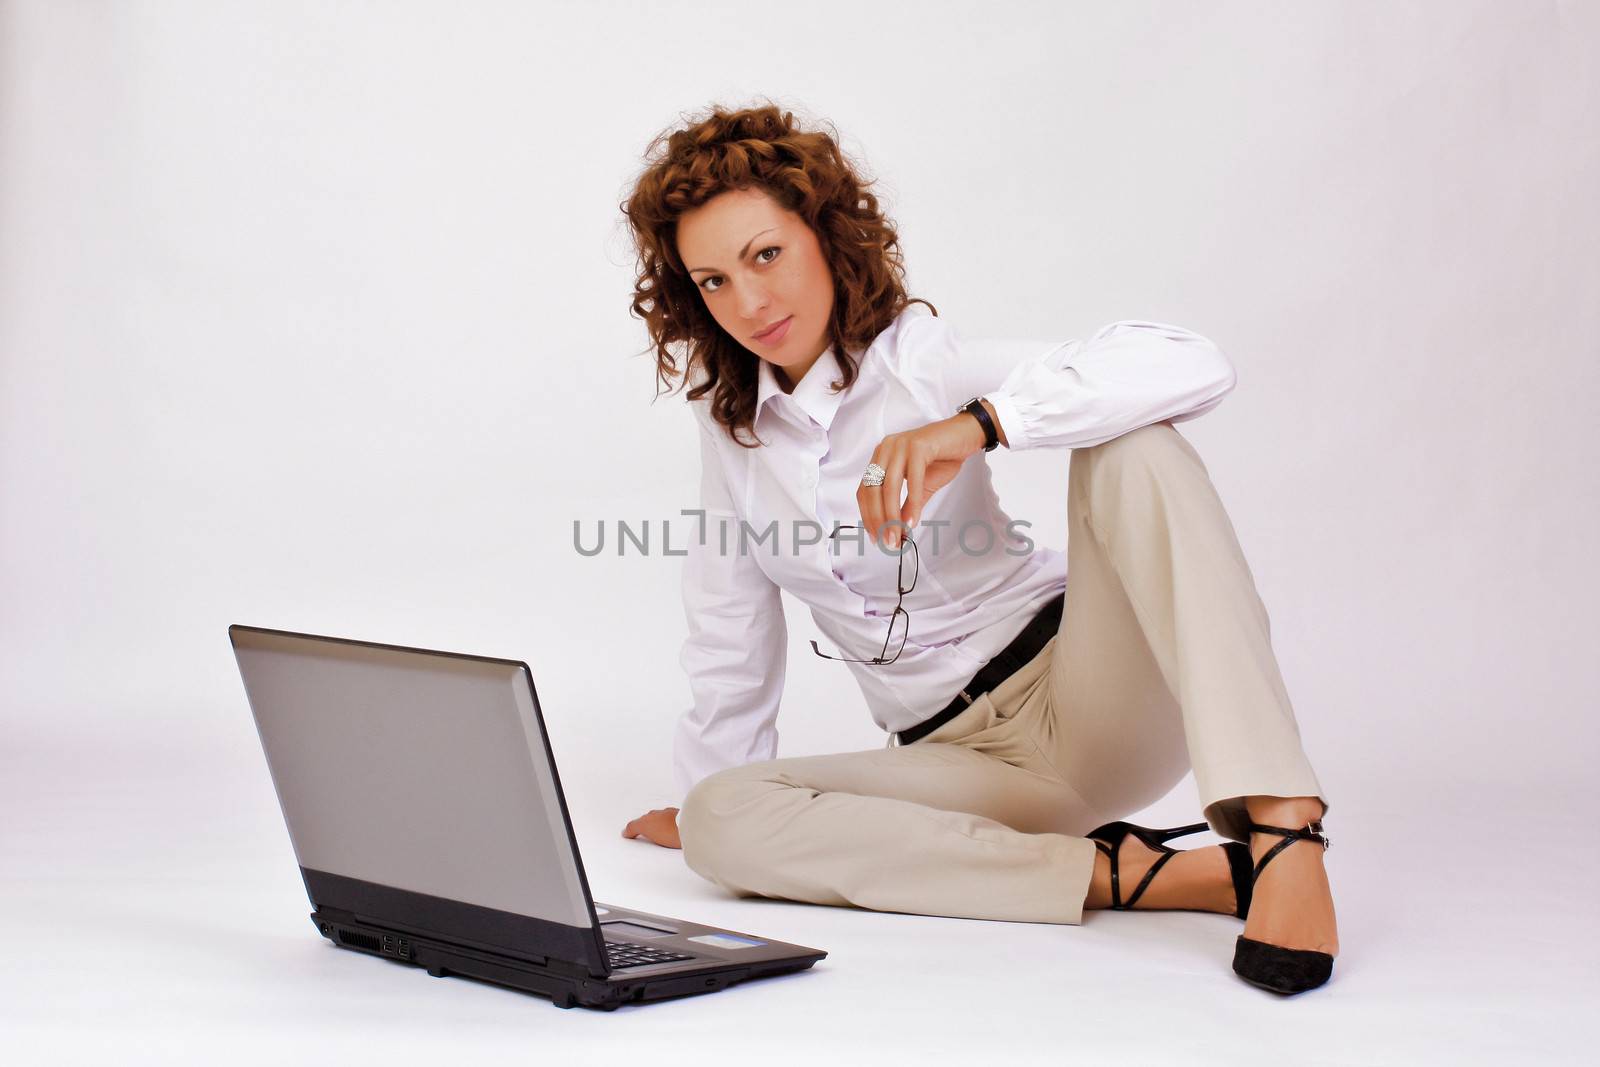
1240 869
1162 836
1155 838
1111 832
1108 839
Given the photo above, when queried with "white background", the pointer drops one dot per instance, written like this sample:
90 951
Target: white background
314 316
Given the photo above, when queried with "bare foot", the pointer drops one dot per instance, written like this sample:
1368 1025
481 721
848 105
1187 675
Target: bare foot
1195 879
1292 905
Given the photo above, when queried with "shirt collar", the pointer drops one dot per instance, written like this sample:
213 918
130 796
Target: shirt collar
813 396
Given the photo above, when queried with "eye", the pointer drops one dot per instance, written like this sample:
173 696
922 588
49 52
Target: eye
716 278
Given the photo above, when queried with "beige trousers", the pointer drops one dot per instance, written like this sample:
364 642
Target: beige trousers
1163 662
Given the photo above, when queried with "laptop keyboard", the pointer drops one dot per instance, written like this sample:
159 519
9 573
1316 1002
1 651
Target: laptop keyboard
625 954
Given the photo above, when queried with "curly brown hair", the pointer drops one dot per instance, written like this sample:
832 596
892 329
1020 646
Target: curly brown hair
803 170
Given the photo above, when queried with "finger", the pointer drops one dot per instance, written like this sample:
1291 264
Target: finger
862 506
869 499
916 468
889 500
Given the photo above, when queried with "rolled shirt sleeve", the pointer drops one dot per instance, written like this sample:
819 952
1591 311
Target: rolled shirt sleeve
1077 394
735 654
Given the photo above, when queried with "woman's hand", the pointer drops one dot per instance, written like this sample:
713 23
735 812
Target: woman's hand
924 460
659 827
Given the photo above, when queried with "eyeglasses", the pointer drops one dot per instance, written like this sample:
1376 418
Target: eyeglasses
900 621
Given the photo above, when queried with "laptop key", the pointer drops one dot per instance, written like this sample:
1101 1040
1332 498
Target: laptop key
626 954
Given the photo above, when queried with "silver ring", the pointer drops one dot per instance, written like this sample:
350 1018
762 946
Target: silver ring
874 475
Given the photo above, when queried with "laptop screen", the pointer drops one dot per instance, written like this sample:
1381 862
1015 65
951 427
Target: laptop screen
421 771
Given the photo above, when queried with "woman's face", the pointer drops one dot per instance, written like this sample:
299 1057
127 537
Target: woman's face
758 264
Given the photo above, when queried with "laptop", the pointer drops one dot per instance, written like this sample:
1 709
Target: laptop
427 818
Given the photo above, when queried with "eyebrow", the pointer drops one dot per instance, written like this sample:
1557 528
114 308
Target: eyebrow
742 252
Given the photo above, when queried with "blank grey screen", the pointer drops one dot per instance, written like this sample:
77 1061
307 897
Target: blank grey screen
414 770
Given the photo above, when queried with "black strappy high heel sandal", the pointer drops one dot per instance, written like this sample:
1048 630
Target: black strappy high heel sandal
1109 838
1282 970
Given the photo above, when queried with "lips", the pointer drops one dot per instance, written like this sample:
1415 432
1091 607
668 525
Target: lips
774 331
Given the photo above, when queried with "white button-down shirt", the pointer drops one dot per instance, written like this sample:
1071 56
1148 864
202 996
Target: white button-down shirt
768 511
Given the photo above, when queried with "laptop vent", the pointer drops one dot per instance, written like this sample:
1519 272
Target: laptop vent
359 940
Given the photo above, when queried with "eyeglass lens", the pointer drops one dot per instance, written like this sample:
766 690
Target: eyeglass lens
899 628
904 587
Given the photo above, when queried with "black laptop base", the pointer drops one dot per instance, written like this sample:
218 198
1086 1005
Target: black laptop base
442 959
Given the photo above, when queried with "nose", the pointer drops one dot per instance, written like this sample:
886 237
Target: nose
753 302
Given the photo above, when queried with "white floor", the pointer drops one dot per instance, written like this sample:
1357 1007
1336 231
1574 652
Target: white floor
153 914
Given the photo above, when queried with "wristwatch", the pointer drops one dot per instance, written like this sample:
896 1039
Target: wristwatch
974 407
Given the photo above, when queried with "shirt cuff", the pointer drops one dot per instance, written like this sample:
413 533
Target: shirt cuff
1010 420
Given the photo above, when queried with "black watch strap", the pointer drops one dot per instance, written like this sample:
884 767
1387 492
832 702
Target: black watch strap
991 437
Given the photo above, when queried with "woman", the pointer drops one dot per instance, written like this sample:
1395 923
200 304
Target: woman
1031 699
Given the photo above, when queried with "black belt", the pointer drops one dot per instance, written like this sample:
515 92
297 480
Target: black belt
1026 645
